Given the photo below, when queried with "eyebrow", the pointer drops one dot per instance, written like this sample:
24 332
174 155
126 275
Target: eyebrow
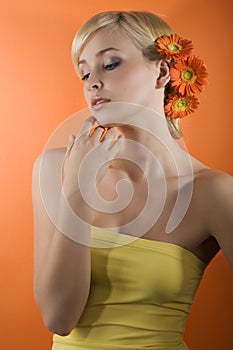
100 53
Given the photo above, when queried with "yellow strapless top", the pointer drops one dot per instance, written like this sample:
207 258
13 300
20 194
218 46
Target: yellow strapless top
140 296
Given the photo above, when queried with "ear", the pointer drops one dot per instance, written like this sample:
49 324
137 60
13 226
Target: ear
164 74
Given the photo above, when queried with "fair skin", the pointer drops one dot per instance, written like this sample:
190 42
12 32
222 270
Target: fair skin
115 70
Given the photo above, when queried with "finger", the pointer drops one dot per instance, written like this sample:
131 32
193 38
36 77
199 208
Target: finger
86 126
109 134
68 149
70 144
103 134
93 130
99 132
116 143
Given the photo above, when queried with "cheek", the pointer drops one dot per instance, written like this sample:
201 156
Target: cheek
139 85
86 94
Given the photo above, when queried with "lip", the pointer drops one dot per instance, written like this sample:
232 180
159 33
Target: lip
97 102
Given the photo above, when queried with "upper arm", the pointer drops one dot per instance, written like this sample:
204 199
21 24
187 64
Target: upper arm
46 182
219 214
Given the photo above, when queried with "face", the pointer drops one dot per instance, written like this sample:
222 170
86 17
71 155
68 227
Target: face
113 69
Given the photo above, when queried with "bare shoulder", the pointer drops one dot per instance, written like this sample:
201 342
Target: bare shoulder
50 155
211 183
49 160
215 191
214 183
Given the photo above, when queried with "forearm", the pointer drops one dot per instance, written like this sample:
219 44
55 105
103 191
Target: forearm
62 280
63 285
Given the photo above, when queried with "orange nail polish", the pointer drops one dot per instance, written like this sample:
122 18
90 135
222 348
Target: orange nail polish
103 134
92 131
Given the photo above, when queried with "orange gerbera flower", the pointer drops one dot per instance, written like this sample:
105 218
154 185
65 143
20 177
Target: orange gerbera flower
174 46
188 76
179 106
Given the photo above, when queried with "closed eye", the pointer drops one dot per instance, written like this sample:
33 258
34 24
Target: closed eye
85 77
111 66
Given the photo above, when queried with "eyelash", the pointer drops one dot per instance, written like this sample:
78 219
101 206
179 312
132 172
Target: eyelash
113 65
110 66
85 77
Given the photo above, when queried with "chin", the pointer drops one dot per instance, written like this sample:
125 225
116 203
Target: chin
105 119
108 124
116 113
100 121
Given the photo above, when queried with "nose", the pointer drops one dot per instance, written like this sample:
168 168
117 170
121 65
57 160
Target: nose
94 84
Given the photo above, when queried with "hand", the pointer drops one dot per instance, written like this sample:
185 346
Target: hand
82 146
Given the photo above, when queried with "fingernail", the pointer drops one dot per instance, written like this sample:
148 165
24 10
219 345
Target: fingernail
103 134
92 131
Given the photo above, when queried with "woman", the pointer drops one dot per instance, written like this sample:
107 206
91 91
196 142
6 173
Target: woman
124 273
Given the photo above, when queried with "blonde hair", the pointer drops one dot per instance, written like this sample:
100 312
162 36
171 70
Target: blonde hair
141 26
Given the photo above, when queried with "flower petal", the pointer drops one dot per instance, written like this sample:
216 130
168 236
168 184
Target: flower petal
174 47
178 106
189 76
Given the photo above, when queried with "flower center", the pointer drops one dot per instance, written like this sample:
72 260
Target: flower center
174 47
181 104
188 75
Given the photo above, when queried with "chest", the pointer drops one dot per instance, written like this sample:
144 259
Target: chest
139 207
132 207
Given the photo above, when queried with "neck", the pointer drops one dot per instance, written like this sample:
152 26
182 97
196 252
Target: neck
148 144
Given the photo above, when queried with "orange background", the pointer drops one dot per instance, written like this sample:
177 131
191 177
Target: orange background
39 89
